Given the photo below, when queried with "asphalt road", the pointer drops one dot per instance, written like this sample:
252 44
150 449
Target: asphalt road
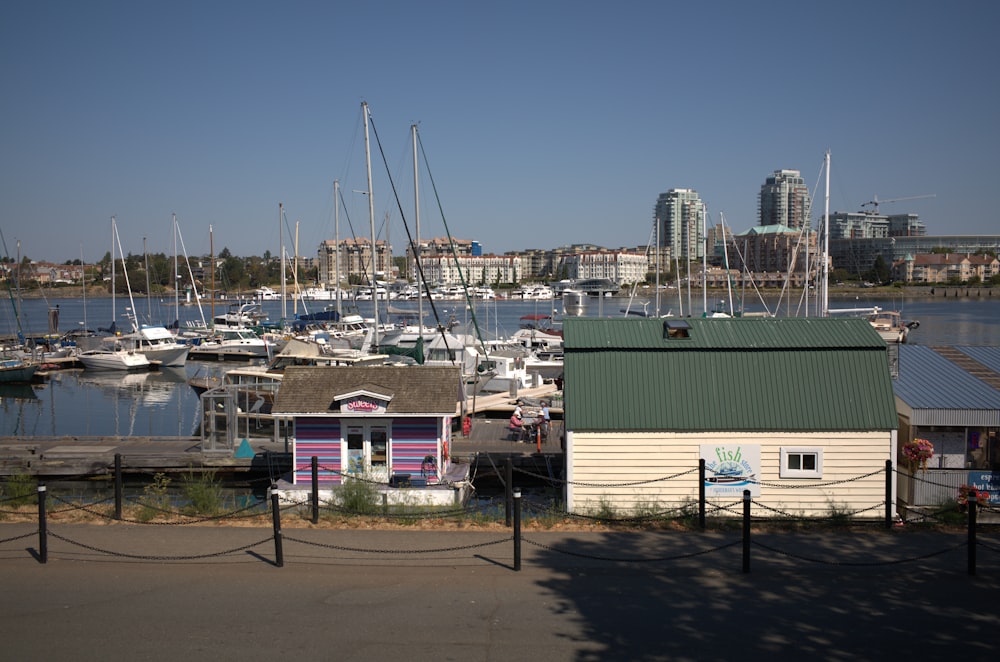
115 592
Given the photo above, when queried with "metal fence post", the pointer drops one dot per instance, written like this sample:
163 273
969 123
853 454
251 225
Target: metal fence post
888 494
118 486
508 498
315 489
279 556
746 530
517 530
43 531
701 493
973 501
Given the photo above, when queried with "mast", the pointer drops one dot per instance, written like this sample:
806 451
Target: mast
295 273
826 240
336 242
114 303
725 253
371 221
657 267
149 301
704 263
84 288
177 276
281 254
416 247
211 253
128 285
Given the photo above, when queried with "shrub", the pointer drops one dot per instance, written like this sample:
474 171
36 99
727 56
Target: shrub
203 493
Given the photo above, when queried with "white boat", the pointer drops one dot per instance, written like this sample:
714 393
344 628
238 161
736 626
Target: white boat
113 358
157 344
533 291
891 326
231 343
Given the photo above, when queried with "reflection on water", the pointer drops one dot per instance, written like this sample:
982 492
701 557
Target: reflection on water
103 403
160 403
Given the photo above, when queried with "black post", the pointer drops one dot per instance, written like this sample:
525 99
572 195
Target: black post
279 556
701 493
118 486
43 530
517 530
888 494
315 489
508 490
746 530
972 502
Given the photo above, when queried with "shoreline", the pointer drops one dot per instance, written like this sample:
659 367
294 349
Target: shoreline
910 292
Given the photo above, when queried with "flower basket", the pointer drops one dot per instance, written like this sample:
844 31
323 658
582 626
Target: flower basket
917 452
965 492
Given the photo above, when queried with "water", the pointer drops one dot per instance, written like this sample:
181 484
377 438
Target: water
82 403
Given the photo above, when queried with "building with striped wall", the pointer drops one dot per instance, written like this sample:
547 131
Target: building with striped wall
387 424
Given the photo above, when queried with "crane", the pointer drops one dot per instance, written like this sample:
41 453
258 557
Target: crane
874 202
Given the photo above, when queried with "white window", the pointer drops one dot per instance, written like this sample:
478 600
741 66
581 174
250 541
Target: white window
801 462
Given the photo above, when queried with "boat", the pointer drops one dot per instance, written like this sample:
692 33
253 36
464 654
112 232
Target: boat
533 291
891 326
537 331
230 343
16 371
113 358
158 345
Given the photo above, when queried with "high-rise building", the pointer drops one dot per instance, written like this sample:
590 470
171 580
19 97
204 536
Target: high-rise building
680 215
785 200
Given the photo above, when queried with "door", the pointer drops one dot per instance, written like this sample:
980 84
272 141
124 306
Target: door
367 451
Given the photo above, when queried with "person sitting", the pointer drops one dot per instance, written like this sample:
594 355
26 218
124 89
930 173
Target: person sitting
516 426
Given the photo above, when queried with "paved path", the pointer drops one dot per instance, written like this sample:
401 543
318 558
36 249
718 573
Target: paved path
465 602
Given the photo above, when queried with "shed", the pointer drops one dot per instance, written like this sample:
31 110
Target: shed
388 424
949 395
769 404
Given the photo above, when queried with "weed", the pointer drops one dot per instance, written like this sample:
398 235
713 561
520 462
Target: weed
155 498
358 496
203 493
20 490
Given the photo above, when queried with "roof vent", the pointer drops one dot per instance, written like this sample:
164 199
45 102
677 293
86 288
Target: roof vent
676 328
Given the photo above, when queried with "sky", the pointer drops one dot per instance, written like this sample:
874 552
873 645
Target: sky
541 123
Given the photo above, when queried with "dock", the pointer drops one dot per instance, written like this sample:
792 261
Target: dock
95 456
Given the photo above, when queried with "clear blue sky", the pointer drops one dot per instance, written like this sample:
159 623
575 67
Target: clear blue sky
543 123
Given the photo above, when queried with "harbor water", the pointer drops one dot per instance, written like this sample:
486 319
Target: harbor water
160 403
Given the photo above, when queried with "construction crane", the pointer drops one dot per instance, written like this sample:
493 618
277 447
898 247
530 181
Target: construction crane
875 202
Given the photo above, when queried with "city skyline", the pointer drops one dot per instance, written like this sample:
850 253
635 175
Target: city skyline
541 125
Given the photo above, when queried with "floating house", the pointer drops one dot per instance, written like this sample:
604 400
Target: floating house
799 411
387 425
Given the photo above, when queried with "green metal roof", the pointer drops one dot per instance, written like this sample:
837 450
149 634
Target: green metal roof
808 374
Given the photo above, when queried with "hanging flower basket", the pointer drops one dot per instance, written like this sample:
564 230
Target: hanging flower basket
917 452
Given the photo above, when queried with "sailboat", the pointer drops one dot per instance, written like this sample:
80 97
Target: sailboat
114 354
888 324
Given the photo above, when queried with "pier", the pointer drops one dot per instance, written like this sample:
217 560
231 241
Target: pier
95 456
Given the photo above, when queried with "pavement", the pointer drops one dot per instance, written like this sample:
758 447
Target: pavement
114 591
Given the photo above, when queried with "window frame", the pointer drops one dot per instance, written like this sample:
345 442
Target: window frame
785 472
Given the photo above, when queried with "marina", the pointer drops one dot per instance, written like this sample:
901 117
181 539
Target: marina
75 421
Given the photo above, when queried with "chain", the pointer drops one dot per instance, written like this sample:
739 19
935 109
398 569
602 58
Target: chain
145 557
813 485
21 537
585 484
